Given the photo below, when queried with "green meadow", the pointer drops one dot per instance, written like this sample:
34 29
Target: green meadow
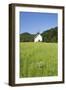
38 59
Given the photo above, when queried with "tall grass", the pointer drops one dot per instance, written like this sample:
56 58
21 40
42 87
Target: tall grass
38 59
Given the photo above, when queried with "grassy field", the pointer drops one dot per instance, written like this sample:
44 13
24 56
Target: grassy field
38 59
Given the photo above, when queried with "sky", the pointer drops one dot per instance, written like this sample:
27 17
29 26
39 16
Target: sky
33 22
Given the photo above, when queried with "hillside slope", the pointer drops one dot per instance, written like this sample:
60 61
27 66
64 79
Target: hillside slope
48 36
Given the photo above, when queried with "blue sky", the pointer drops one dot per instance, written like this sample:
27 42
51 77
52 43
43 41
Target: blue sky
33 22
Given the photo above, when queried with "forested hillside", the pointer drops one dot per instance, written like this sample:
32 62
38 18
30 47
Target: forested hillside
50 35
